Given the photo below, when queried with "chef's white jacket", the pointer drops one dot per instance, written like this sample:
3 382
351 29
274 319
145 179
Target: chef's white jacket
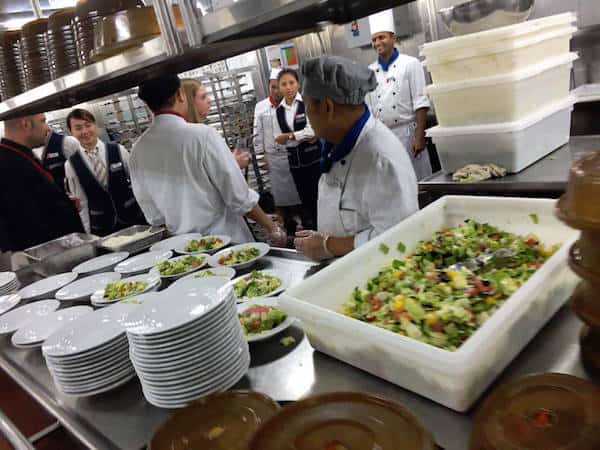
370 190
74 185
184 176
400 91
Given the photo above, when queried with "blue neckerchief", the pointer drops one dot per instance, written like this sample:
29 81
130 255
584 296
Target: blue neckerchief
331 153
386 65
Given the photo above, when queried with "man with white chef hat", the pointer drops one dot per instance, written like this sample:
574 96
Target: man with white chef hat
367 184
399 100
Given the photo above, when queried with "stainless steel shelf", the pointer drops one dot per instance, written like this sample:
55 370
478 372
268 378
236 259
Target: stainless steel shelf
240 28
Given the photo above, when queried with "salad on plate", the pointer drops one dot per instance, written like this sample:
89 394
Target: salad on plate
178 266
123 288
259 319
433 298
239 256
256 284
205 244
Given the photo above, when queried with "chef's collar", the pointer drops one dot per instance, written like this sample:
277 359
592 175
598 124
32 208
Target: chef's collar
296 100
166 112
18 146
386 65
331 153
274 102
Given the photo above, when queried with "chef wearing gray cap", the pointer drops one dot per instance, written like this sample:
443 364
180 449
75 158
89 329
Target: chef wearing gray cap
367 185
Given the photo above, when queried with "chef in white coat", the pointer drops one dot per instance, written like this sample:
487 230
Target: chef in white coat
184 176
367 185
399 101
282 184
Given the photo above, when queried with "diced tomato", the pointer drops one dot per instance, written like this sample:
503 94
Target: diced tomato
255 325
370 319
532 242
376 304
257 310
432 276
472 292
448 233
437 327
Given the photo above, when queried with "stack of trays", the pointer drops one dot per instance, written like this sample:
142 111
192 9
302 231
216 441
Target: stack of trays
10 64
62 45
184 353
91 354
495 92
34 53
8 283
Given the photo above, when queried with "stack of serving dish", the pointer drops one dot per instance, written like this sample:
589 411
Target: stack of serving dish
8 283
19 317
186 352
34 53
497 91
8 302
10 64
47 287
62 45
91 354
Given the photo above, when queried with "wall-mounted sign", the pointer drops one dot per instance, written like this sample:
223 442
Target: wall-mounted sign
358 33
283 55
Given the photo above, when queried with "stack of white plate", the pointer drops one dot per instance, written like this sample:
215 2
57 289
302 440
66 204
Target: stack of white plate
186 352
19 317
8 302
47 287
104 263
91 354
8 283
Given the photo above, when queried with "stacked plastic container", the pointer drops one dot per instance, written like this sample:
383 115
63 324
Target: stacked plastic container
502 96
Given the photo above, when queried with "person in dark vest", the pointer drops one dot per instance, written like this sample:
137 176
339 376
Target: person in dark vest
293 131
98 175
59 148
33 210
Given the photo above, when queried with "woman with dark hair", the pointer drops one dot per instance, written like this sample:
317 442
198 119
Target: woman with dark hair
293 131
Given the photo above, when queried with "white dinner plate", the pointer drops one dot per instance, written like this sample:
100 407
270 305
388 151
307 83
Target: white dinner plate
101 263
180 248
47 287
116 356
223 272
21 316
152 280
191 304
142 263
83 288
90 332
265 334
171 243
37 330
104 389
262 248
8 302
182 274
284 277
93 358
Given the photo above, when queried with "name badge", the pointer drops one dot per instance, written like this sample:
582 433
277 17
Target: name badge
116 166
390 80
300 116
52 155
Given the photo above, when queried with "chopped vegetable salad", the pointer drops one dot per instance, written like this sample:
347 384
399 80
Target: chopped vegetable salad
260 318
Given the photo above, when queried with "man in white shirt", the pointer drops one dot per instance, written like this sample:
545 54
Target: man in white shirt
185 177
98 176
399 100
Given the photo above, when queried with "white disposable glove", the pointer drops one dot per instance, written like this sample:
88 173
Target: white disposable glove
312 244
278 237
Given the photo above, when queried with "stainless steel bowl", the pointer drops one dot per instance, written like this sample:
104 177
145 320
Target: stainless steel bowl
480 15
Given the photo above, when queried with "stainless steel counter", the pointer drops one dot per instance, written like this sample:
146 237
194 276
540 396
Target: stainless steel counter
122 419
545 178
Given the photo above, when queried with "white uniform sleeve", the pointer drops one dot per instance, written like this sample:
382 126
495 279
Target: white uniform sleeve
144 199
77 191
225 175
388 201
416 79
306 134
258 131
70 146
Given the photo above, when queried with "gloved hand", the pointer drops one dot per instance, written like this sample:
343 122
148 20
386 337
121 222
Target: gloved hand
242 158
312 245
278 237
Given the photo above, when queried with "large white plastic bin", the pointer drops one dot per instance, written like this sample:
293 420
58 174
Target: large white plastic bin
513 146
499 51
503 98
454 379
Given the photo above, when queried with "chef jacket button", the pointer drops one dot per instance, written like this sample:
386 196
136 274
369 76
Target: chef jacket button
377 70
394 66
394 93
380 109
343 162
396 120
394 106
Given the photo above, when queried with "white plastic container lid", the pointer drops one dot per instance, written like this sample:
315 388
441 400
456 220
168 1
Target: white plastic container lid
513 77
507 127
476 40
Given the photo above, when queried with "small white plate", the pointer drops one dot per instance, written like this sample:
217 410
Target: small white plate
19 317
172 242
36 331
180 248
152 280
155 270
284 277
142 263
263 249
101 390
266 334
47 287
8 302
101 263
83 288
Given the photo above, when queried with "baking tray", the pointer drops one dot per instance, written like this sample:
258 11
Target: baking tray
137 246
454 379
65 252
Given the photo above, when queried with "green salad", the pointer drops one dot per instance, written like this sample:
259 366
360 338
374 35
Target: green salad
120 289
430 297
182 265
204 244
260 318
239 257
257 284
206 274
